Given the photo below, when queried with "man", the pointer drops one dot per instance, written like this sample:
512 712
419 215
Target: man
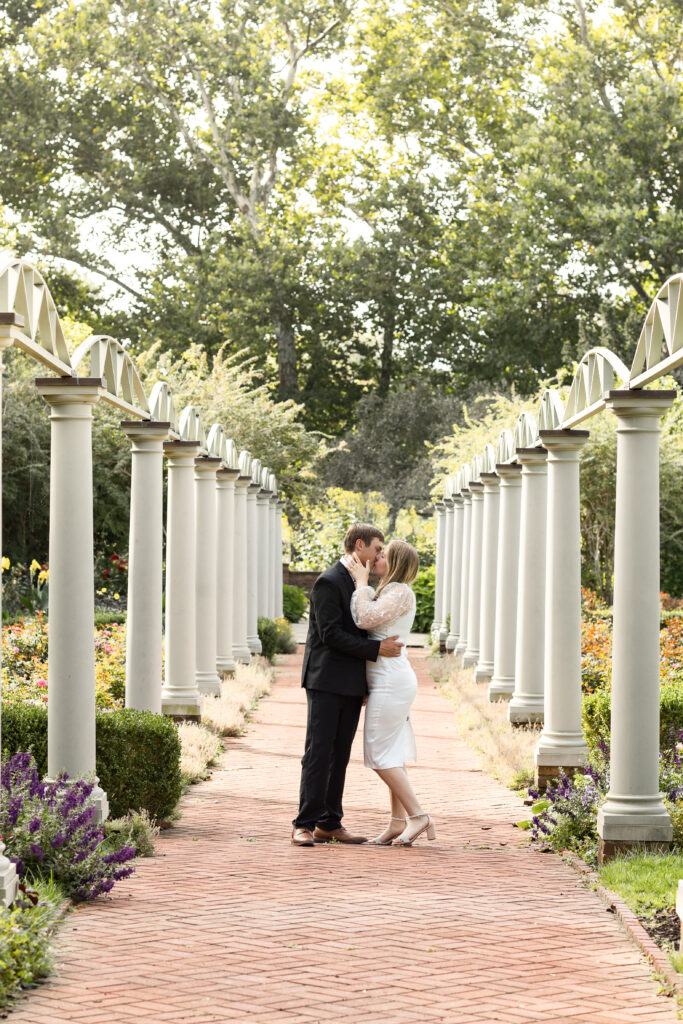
333 676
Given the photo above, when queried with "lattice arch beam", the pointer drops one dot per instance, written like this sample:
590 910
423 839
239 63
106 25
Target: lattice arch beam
23 291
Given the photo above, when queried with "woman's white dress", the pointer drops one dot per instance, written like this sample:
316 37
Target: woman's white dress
388 740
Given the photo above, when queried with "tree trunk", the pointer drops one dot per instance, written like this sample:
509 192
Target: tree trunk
286 357
387 358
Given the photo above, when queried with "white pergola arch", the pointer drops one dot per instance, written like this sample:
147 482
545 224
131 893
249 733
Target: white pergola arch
530 601
210 564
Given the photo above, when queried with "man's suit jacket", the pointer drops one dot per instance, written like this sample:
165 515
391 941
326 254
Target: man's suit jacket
336 649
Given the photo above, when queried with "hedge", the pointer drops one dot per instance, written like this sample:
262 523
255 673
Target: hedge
137 755
596 715
294 602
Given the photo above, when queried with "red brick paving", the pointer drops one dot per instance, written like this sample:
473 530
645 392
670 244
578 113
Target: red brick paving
229 922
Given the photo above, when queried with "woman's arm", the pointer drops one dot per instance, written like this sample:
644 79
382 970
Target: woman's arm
368 613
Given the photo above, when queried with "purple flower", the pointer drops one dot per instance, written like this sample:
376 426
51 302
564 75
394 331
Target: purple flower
34 825
58 840
36 851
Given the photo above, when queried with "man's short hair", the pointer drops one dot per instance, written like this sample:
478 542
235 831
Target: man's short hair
361 531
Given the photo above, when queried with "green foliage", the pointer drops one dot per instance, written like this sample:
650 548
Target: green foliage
294 602
596 714
135 829
284 640
137 757
647 882
105 617
317 537
25 940
424 594
268 635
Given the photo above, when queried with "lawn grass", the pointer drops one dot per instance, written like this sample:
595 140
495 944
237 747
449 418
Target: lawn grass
505 752
646 882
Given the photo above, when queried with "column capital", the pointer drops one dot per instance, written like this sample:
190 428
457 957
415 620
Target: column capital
181 453
263 497
11 328
439 506
476 488
58 391
458 500
226 476
509 470
490 481
632 403
206 466
532 456
242 482
145 430
253 488
449 503
563 445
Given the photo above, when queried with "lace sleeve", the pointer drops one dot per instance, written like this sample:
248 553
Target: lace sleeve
368 613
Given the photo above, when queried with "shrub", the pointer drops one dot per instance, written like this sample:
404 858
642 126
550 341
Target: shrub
25 930
200 748
294 602
424 594
267 631
135 829
596 715
51 830
284 641
137 759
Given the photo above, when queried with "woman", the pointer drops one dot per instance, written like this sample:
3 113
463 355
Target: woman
388 737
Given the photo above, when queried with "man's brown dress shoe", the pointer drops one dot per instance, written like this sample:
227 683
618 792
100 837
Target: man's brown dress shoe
302 837
339 835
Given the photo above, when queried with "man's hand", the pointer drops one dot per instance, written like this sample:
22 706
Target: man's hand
391 647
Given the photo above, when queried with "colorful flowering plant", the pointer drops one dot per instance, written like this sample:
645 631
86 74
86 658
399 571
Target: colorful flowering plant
111 580
566 816
50 830
25 588
24 662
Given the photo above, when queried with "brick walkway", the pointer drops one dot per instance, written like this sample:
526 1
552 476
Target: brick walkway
229 922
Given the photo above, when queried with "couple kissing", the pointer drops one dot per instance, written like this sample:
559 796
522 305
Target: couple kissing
355 654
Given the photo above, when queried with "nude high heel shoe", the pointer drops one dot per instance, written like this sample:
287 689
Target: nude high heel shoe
387 842
409 839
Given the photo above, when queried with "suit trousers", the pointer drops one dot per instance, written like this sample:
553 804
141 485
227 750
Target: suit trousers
330 728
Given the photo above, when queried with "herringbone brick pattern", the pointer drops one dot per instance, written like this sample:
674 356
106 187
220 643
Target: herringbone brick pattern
229 922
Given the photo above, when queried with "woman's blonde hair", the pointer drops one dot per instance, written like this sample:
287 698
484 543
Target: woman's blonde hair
403 562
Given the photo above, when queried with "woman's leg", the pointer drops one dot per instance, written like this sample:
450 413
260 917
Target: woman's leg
401 790
398 822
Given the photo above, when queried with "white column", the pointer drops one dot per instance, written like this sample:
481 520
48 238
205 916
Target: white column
253 641
502 683
456 563
465 570
527 701
71 661
275 566
633 811
439 572
447 567
180 696
279 613
144 627
471 655
9 881
206 574
489 565
263 551
225 569
240 650
561 744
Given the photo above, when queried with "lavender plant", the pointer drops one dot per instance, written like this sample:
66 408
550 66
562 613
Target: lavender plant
50 829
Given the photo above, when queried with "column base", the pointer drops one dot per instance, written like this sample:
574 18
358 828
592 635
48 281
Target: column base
242 655
180 712
225 666
483 672
547 774
633 820
9 880
470 658
608 850
101 802
451 642
460 649
254 644
208 684
501 688
524 710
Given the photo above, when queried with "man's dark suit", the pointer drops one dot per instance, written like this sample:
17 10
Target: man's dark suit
333 676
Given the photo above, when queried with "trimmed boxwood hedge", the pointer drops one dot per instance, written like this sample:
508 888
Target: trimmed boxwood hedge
137 755
596 714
